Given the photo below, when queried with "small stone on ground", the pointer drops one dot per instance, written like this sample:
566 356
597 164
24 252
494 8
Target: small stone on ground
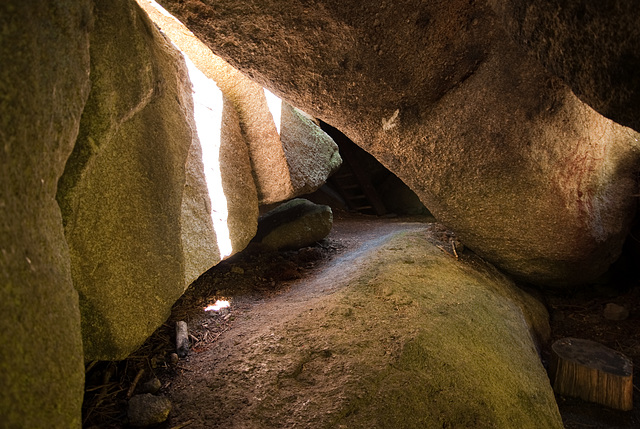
147 409
152 386
615 312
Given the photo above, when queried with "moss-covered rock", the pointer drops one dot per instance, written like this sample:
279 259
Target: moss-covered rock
436 343
399 335
294 224
44 83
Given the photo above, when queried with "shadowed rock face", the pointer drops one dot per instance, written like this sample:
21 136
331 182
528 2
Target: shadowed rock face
295 224
497 148
44 83
592 46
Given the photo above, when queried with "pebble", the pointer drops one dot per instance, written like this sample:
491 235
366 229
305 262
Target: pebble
152 386
147 410
615 312
174 358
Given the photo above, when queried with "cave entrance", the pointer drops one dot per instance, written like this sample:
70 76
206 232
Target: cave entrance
363 185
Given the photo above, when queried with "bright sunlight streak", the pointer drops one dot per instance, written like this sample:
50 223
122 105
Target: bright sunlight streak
219 305
275 107
207 102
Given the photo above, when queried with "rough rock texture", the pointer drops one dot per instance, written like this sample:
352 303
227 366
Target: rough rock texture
294 224
402 336
495 147
592 46
297 161
312 155
220 201
199 240
44 83
152 386
121 193
148 410
237 181
259 132
141 213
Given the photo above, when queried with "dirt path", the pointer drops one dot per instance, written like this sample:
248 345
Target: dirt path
356 238
257 322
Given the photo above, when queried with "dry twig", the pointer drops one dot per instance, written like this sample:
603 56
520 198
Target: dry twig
134 383
90 366
445 250
181 425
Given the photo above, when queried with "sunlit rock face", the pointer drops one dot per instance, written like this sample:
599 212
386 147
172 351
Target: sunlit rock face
592 46
286 161
237 179
44 83
166 175
498 149
220 202
312 156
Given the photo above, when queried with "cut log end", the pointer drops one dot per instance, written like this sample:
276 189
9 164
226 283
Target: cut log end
593 372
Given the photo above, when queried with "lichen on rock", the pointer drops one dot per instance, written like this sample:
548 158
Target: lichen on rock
397 334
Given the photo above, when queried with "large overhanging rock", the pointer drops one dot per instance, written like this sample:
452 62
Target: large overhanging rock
591 45
498 149
135 195
44 84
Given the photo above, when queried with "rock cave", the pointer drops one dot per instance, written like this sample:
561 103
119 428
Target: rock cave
318 213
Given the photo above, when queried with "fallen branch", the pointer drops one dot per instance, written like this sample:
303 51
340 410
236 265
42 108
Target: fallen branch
445 251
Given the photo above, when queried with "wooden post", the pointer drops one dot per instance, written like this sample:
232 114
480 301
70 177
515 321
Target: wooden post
590 371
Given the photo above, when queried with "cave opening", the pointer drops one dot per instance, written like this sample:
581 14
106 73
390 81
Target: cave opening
365 186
